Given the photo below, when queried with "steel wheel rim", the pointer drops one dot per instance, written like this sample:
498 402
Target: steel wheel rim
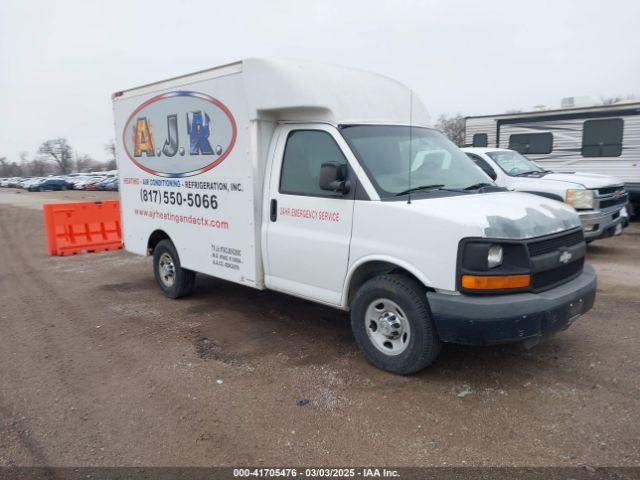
167 270
387 326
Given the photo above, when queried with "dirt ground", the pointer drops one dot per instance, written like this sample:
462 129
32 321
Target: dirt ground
98 368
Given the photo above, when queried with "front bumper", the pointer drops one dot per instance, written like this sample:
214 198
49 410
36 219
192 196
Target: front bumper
604 223
490 320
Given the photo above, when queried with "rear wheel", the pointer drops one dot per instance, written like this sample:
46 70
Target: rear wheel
173 280
392 324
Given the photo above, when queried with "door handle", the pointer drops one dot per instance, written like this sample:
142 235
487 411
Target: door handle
274 210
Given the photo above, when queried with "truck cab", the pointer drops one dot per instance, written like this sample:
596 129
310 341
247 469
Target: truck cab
599 200
329 184
367 216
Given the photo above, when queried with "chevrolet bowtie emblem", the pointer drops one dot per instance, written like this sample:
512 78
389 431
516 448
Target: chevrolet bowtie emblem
565 257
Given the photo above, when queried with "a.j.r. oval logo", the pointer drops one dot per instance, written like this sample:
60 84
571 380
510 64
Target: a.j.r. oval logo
179 134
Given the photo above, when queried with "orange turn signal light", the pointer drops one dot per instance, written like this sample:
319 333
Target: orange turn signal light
502 282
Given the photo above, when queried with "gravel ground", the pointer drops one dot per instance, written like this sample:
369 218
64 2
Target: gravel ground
98 368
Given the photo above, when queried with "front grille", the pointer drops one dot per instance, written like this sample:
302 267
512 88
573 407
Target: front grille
549 278
612 202
609 190
545 246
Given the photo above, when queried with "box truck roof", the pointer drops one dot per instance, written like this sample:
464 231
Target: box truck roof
290 91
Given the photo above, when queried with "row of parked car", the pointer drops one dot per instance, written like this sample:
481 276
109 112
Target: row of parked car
72 181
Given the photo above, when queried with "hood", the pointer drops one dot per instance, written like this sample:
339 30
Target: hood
501 215
587 180
542 184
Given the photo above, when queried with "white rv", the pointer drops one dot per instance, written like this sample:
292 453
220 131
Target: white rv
328 184
602 139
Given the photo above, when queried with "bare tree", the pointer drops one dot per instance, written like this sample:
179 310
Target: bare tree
56 156
11 169
453 127
38 167
4 167
84 163
15 170
35 167
59 151
110 148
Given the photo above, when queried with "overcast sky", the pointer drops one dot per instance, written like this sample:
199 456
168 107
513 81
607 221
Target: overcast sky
61 60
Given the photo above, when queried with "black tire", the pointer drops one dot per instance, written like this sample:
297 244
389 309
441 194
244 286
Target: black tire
183 279
423 344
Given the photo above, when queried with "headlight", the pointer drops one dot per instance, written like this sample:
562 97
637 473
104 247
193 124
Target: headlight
580 199
489 266
494 256
477 255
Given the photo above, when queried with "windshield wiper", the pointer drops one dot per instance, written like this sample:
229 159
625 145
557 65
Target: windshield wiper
477 186
421 187
527 173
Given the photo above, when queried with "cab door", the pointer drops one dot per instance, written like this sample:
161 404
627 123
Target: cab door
308 229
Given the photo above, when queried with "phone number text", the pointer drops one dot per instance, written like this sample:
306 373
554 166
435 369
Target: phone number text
163 197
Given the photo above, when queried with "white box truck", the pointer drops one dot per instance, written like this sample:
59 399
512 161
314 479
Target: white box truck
328 184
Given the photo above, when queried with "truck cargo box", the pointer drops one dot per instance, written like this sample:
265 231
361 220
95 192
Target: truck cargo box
192 151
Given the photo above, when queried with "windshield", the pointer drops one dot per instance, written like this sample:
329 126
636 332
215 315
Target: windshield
400 158
514 163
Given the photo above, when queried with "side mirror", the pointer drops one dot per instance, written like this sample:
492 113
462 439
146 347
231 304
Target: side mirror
332 178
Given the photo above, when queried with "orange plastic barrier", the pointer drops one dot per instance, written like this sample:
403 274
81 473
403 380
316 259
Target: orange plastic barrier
82 227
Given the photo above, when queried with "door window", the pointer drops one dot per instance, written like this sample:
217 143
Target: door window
304 154
484 166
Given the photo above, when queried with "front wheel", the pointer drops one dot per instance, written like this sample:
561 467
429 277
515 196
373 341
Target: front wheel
392 324
173 280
